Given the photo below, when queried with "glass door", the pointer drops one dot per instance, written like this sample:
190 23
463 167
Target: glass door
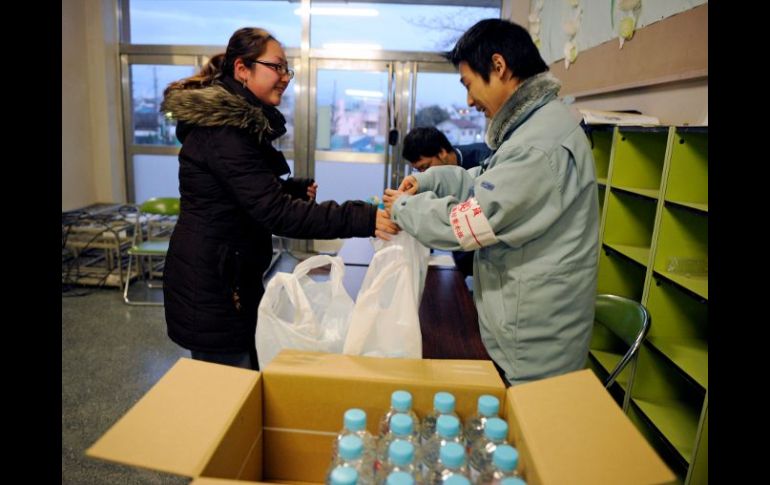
349 128
357 107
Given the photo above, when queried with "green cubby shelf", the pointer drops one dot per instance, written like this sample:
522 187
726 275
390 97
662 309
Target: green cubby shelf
682 249
629 225
679 329
669 400
601 147
660 444
638 159
620 276
654 237
688 172
602 191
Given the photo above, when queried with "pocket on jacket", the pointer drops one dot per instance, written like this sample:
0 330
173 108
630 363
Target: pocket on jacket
551 329
237 269
499 312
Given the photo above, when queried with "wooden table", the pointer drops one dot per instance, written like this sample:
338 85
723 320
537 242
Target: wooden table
448 319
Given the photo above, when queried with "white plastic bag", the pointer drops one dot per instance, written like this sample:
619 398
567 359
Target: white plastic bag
297 312
415 253
385 320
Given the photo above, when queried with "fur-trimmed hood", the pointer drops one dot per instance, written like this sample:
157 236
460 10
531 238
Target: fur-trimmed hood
533 93
216 105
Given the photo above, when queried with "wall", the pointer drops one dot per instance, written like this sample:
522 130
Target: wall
661 71
92 159
77 178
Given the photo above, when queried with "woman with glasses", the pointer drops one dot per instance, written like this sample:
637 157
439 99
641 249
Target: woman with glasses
233 199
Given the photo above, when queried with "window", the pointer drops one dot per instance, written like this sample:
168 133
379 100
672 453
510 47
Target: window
396 26
211 22
151 127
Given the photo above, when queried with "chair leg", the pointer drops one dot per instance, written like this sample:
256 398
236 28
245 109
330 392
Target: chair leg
128 281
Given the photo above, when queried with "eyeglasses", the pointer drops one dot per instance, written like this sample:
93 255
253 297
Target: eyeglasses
281 69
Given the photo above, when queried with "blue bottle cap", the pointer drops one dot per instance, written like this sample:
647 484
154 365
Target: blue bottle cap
401 424
355 419
399 478
488 405
457 480
401 452
452 455
351 447
506 458
448 426
496 429
444 402
401 401
344 475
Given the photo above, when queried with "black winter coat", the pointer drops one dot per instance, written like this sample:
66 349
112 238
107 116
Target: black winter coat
232 201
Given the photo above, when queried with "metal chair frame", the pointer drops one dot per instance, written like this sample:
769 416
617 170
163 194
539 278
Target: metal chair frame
630 321
151 242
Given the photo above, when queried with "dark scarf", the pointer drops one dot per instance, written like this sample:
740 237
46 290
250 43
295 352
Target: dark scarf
531 94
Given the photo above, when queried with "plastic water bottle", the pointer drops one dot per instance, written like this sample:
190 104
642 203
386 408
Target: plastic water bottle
399 478
451 463
401 428
443 404
457 480
400 459
495 432
488 407
447 431
505 460
400 402
343 475
354 423
513 481
351 455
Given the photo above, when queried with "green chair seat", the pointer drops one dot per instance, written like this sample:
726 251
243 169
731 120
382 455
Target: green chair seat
149 248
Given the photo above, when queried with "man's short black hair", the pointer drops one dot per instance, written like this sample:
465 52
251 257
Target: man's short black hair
424 142
496 36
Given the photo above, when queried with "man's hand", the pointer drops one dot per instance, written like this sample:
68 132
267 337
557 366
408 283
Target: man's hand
312 189
384 226
409 185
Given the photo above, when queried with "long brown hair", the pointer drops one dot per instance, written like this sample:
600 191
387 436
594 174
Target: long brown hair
246 44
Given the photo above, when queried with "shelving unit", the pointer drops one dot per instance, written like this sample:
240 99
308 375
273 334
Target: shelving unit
653 194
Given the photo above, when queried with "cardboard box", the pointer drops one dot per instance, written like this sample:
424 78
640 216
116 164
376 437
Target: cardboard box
224 426
213 421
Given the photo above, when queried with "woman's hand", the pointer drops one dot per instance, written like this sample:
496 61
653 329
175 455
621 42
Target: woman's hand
389 197
384 226
312 189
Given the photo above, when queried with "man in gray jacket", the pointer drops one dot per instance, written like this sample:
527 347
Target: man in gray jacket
530 211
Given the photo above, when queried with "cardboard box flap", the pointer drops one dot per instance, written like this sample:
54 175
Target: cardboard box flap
570 430
466 373
178 425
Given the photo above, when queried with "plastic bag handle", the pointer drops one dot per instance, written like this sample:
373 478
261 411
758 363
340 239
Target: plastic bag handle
320 260
293 291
